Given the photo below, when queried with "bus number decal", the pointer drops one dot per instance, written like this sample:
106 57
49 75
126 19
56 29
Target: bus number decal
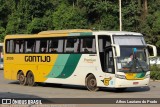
10 58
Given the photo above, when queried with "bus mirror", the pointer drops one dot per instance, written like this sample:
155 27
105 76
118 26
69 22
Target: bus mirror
117 48
153 52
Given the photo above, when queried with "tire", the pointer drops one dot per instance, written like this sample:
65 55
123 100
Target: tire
21 78
30 79
91 83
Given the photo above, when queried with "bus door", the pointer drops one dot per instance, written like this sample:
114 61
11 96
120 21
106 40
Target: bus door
109 67
109 61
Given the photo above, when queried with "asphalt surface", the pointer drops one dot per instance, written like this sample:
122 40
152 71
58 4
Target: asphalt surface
12 89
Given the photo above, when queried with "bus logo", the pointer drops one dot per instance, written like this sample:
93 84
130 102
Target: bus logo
106 81
89 60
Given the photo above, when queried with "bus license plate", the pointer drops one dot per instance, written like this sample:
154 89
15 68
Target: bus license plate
135 83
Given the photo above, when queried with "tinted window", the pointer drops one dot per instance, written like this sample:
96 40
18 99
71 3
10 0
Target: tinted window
30 46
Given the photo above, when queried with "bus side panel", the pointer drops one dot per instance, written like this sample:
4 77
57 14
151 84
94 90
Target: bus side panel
41 73
15 63
8 66
25 63
42 69
87 64
8 71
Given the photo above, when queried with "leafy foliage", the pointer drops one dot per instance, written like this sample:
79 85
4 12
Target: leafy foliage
155 72
68 17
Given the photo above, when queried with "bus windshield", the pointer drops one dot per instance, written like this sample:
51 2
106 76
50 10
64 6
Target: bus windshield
132 59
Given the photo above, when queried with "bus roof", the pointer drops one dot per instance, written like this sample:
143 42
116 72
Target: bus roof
117 33
64 31
52 33
60 33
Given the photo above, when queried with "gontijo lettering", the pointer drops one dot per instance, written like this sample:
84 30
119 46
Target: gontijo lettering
37 58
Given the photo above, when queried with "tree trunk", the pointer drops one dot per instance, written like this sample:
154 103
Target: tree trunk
145 8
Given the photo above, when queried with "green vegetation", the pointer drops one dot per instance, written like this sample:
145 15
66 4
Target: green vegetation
33 16
155 72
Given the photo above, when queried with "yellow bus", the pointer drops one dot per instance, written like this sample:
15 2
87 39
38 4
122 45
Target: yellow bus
94 59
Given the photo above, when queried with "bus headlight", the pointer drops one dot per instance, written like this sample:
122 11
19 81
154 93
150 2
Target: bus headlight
120 76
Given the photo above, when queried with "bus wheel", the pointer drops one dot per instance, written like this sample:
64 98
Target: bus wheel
30 79
22 78
91 83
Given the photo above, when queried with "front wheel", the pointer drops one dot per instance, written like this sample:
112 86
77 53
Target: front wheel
30 79
91 83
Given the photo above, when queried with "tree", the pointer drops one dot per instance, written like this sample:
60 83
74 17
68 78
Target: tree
131 15
32 16
67 17
37 25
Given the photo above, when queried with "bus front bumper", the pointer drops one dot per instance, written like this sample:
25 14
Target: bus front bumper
123 83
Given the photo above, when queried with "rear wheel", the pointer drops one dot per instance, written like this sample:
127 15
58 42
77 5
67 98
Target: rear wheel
22 78
91 83
30 79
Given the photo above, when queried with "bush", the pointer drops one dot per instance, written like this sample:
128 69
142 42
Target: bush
155 72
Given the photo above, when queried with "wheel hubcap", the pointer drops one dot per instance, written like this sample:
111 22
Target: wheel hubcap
30 79
21 79
92 83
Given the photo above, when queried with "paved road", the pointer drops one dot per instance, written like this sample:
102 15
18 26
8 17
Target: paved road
11 89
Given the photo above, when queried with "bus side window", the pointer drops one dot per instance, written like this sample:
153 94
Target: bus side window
30 46
19 46
43 46
53 45
69 45
16 46
77 46
8 46
72 45
11 46
88 45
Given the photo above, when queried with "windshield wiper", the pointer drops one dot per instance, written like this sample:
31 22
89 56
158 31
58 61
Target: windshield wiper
136 63
141 66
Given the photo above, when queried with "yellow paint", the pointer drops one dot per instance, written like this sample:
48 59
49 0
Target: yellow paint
106 81
64 31
56 33
39 69
132 76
